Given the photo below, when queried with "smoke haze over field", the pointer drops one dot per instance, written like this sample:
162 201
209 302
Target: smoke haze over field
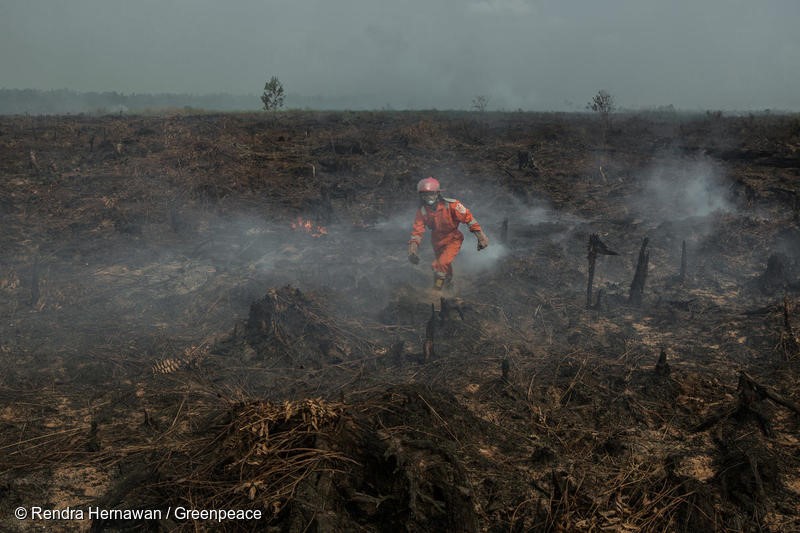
529 54
679 189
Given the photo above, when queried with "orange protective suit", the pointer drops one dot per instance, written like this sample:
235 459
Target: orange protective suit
443 219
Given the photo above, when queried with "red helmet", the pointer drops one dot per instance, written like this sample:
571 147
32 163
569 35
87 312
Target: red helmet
428 184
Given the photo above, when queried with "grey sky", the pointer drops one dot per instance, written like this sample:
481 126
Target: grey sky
530 54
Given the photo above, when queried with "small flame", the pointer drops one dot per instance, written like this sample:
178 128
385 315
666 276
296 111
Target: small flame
309 227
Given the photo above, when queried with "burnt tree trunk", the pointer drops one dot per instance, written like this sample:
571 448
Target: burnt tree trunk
598 302
504 232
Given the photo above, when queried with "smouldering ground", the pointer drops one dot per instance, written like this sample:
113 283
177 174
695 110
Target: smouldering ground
160 301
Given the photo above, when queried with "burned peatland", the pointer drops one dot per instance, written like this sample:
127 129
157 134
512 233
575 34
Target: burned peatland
216 311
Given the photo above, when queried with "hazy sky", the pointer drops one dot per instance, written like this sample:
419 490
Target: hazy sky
530 54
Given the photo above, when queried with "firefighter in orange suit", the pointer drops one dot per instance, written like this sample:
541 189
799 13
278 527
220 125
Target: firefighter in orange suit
442 215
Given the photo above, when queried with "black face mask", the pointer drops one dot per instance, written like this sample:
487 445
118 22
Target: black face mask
428 198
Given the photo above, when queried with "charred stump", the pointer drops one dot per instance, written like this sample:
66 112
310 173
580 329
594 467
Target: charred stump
640 277
444 310
448 307
662 367
596 246
524 159
598 301
288 327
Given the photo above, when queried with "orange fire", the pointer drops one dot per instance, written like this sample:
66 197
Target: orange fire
309 227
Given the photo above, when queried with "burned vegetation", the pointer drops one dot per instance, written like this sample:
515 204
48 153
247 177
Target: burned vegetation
216 312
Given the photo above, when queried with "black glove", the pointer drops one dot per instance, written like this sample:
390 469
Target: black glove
412 252
483 240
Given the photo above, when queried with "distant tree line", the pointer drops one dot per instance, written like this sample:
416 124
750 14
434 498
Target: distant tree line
63 101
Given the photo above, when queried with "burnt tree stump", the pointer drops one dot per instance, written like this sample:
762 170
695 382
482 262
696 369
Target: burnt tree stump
598 301
524 159
595 247
640 276
662 367
444 310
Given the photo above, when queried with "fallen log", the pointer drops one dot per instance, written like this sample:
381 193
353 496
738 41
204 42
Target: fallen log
765 393
750 393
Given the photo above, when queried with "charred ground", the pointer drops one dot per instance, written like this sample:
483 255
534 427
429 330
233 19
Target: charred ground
216 311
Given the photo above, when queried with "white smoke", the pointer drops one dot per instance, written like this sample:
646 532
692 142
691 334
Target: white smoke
680 189
473 261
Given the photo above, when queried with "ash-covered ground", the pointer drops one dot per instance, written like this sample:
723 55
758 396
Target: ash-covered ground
217 312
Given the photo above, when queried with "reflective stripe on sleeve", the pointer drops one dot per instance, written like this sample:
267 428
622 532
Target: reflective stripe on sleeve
472 222
416 238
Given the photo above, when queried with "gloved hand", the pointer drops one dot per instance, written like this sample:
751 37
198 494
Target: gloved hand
412 252
483 240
